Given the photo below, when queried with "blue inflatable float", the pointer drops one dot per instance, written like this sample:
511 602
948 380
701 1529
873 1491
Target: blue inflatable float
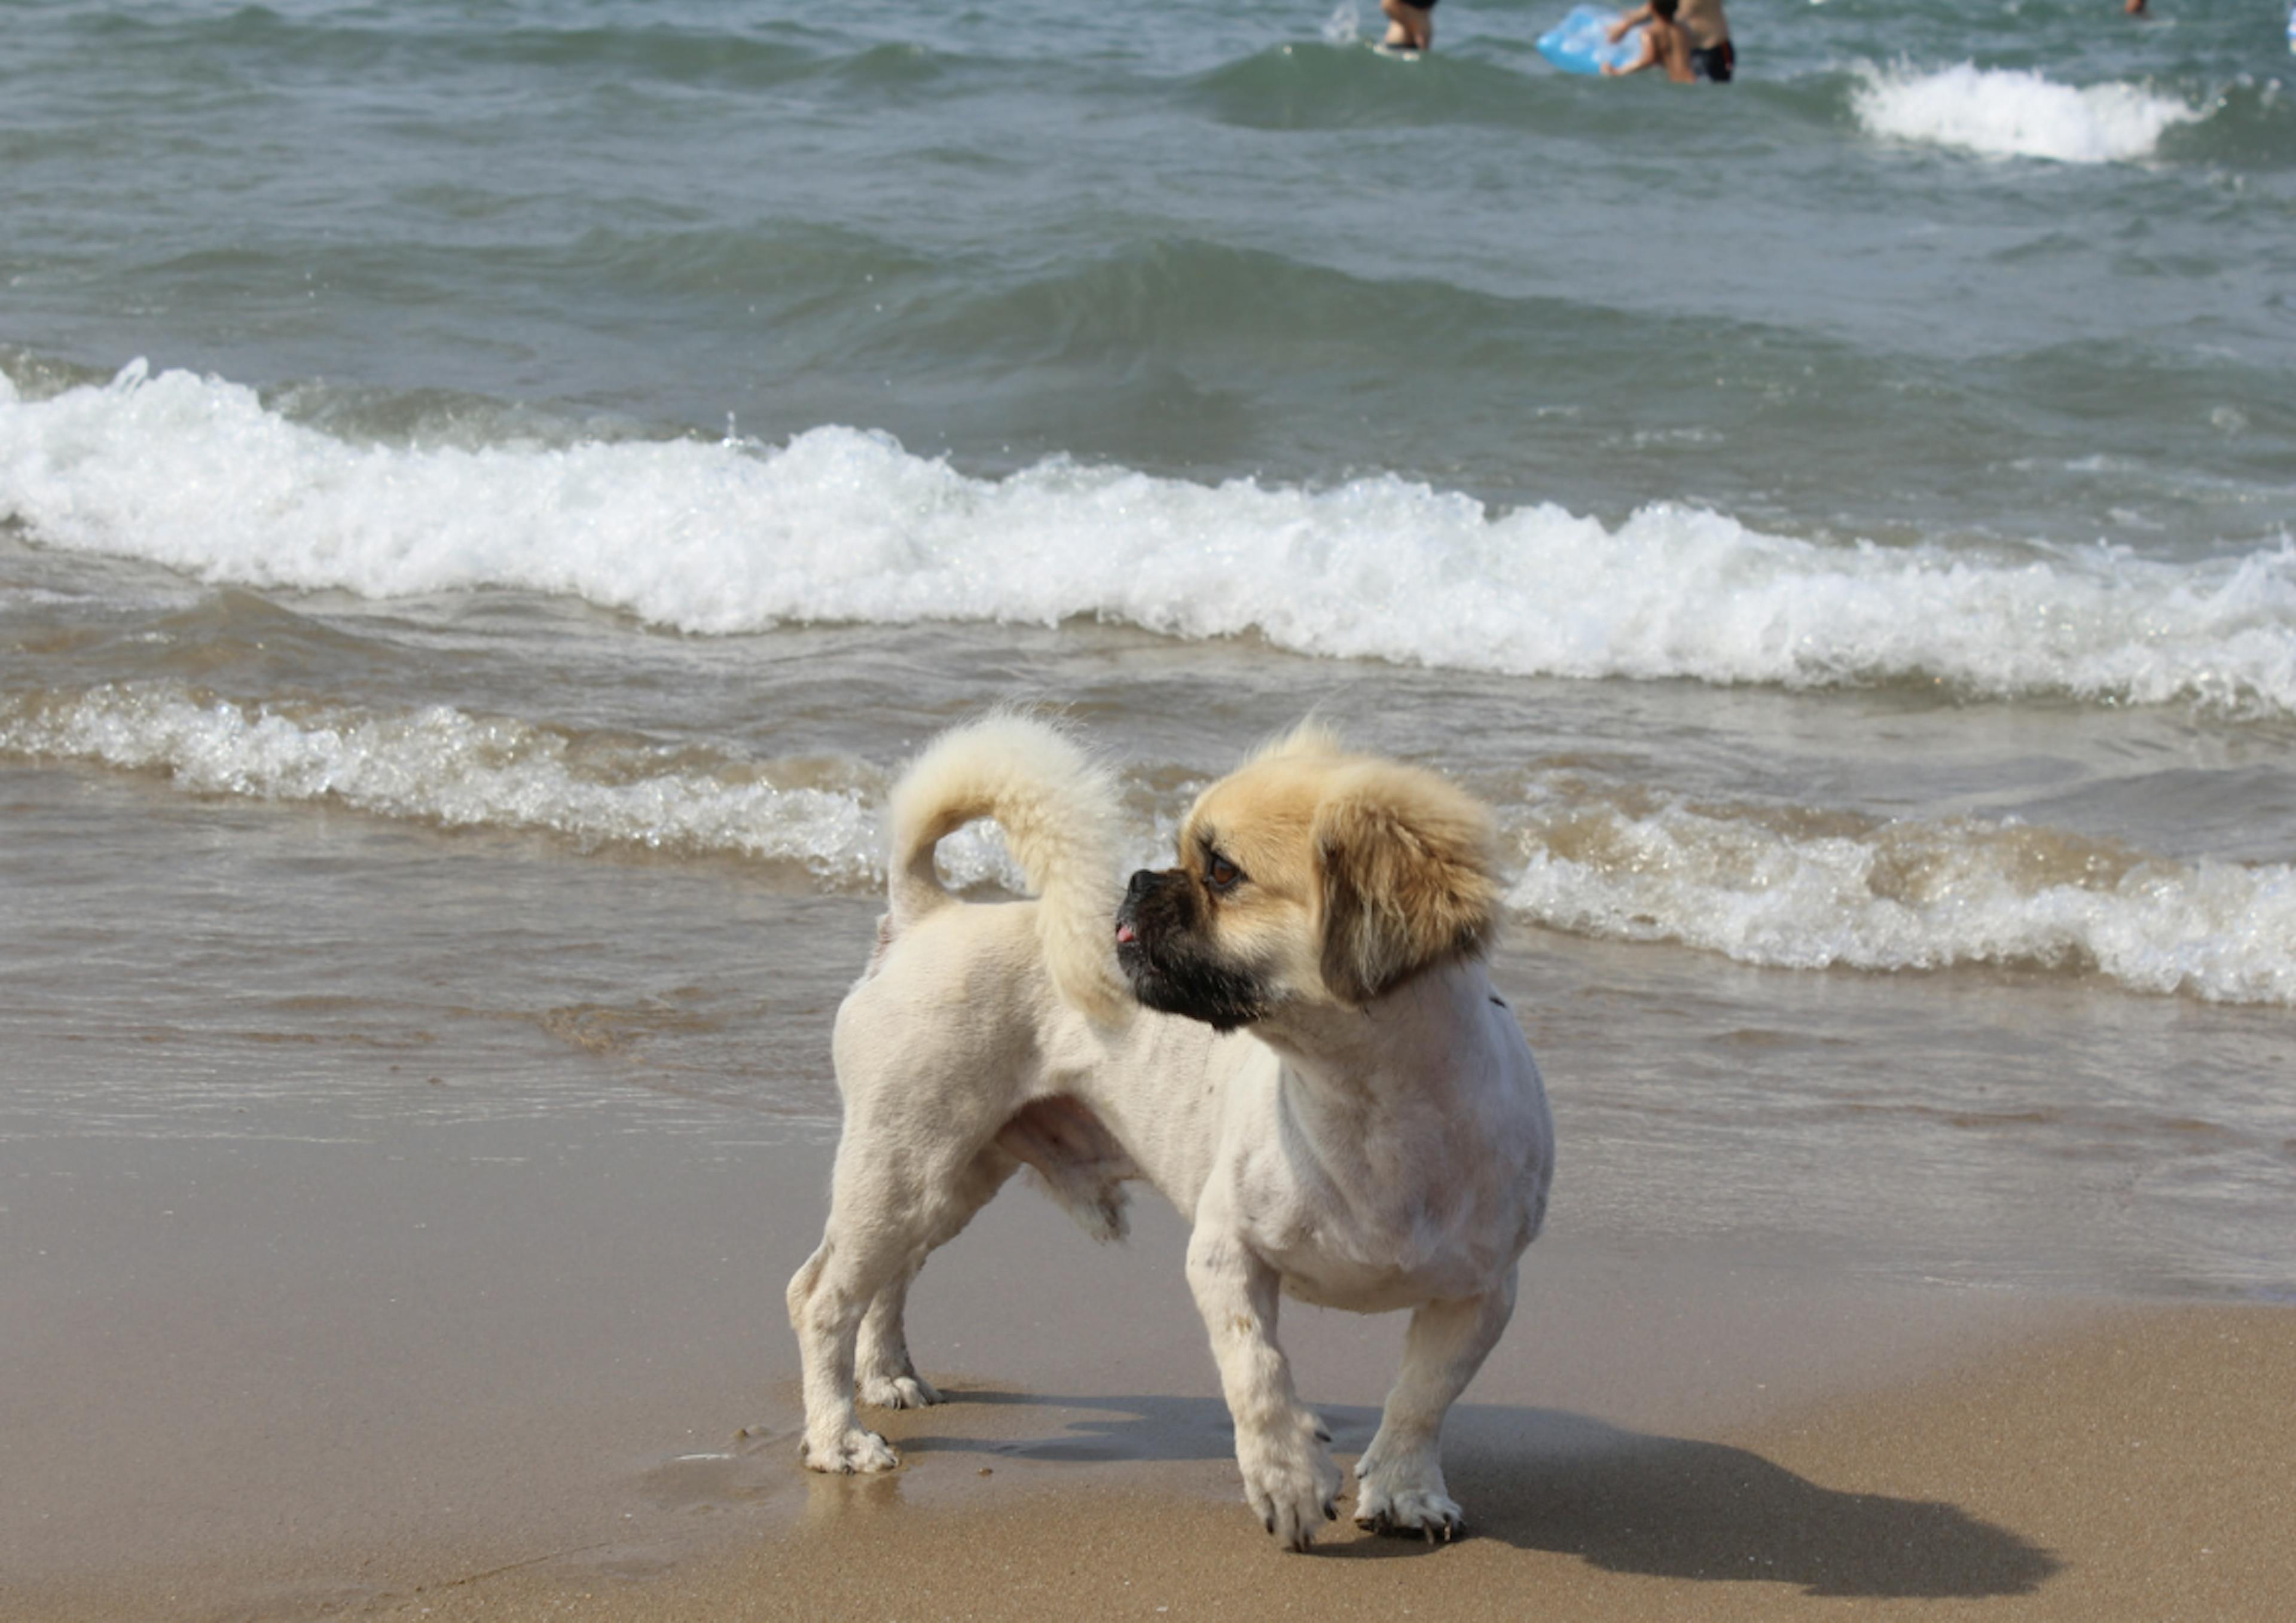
1581 42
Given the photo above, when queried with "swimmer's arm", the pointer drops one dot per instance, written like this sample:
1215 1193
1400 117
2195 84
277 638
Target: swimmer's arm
1645 56
1627 19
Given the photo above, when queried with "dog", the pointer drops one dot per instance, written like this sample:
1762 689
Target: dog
1291 1034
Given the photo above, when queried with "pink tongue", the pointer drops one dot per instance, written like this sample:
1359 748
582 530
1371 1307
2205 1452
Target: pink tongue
1124 935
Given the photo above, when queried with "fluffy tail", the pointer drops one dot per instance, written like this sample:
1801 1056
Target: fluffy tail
1058 810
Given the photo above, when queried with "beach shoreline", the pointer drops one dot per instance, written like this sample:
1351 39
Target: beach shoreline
528 1370
2132 1466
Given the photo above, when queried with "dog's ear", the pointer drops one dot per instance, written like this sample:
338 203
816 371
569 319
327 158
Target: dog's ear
1403 860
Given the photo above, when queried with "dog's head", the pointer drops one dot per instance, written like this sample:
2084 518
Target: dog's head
1311 876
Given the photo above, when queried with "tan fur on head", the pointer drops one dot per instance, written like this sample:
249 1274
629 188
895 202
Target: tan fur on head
1361 871
1313 736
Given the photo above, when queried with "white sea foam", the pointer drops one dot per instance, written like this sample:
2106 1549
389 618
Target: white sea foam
440 765
843 525
1783 886
1790 890
2007 112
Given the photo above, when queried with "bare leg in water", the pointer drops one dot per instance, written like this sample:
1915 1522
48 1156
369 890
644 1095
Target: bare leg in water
1409 27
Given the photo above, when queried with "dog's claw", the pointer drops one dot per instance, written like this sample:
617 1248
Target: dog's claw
904 1391
1377 1511
857 1452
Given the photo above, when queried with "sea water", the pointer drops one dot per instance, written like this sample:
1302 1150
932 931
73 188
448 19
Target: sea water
489 496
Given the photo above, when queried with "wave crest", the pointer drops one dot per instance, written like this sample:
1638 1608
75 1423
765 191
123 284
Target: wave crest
1797 890
726 537
2008 113
442 766
1782 886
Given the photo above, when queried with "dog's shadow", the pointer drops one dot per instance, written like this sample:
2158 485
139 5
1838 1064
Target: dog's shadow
1624 1501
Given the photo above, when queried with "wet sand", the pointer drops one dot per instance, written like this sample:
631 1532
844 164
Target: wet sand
2139 1468
522 1368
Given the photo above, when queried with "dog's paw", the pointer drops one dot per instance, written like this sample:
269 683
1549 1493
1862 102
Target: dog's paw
904 1391
854 1452
1394 1509
1289 1481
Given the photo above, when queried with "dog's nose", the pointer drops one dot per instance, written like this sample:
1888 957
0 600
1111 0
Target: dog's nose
1143 881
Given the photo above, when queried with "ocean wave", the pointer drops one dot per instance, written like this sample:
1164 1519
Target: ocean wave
442 766
452 769
198 474
1786 888
440 45
1775 886
2005 112
1336 83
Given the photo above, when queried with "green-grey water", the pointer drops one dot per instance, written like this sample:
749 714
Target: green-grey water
489 494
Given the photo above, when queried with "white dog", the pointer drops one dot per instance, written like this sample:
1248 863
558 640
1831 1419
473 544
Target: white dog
1321 1080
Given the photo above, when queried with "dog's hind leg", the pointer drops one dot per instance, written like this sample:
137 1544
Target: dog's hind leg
885 1214
826 1298
883 1372
886 1376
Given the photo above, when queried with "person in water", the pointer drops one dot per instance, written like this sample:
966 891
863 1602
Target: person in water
1700 49
1409 27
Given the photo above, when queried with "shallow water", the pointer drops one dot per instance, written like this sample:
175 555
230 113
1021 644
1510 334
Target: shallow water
489 496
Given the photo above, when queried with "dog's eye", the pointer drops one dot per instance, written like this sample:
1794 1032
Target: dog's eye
1221 875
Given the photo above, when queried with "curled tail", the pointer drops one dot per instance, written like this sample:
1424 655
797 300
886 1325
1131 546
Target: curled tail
1057 808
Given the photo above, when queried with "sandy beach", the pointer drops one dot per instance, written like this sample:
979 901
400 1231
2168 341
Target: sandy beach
516 1372
2137 1468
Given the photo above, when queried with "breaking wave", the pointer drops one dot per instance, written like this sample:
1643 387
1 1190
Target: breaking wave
1783 887
2007 112
199 475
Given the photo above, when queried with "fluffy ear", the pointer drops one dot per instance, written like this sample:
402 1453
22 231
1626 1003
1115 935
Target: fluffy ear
1404 862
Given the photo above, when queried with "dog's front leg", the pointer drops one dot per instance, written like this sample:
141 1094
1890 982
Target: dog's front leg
1402 1488
1288 1475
